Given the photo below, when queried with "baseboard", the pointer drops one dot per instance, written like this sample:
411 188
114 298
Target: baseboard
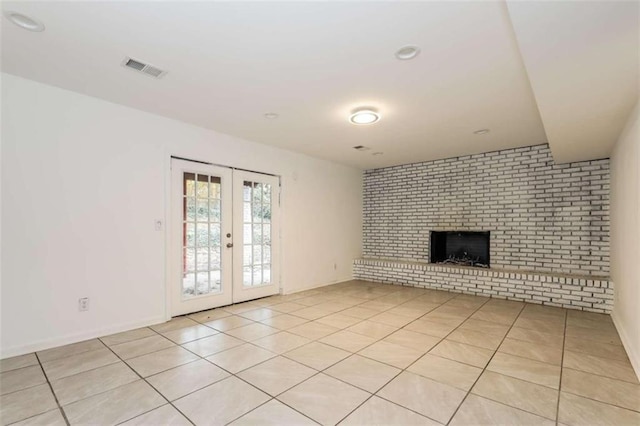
634 356
338 281
78 337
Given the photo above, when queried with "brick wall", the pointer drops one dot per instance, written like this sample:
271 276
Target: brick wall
543 217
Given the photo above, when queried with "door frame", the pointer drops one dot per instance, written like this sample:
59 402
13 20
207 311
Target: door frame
166 222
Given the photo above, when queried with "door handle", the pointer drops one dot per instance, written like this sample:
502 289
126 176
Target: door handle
229 245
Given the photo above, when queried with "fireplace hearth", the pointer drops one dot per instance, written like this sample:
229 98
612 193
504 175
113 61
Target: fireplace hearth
467 248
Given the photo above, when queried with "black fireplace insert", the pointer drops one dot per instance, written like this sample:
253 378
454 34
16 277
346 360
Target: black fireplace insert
470 248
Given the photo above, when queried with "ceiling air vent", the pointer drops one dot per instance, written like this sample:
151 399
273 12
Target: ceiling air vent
143 68
361 148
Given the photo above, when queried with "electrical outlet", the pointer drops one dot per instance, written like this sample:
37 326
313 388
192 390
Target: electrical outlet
158 225
83 304
335 266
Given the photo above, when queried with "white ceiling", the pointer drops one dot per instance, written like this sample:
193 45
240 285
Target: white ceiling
229 63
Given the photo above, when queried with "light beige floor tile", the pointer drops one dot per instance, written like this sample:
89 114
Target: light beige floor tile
487 327
156 362
506 318
212 345
115 406
517 393
284 322
590 347
187 378
362 372
276 375
428 397
317 355
221 403
50 418
252 332
610 337
127 336
311 313
578 411
324 399
273 413
547 325
26 403
429 327
141 346
313 330
188 334
526 369
16 362
534 336
240 357
260 314
68 350
372 329
22 378
449 372
603 389
211 315
445 318
333 306
410 311
475 338
174 324
391 319
467 354
348 341
379 412
281 342
602 323
75 364
287 307
481 411
614 369
162 416
228 323
392 354
240 307
535 351
339 321
360 312
80 386
412 339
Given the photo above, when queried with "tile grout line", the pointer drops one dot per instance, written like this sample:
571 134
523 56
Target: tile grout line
564 338
46 376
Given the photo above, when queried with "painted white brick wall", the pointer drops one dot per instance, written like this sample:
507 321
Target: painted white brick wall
583 293
543 217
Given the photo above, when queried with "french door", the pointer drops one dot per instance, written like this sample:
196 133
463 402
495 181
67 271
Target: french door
224 236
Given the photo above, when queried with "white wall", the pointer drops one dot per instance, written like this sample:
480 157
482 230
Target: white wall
83 181
625 236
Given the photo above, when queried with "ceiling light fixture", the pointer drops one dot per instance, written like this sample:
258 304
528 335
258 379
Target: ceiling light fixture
271 115
364 116
23 21
407 52
481 132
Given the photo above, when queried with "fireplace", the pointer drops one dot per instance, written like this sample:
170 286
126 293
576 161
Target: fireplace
470 248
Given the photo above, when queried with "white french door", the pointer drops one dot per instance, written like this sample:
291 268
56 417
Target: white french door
224 236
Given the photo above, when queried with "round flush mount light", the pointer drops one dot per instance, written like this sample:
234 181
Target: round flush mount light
271 116
481 132
364 116
24 21
407 52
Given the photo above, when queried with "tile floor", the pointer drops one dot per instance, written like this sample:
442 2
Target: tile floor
355 353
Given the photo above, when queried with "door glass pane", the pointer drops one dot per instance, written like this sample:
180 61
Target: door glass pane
257 233
201 234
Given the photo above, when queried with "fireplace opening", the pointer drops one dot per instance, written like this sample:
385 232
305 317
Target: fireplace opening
469 248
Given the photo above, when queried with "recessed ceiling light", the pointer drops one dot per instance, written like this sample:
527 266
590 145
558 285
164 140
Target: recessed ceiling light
364 116
271 115
481 132
23 21
407 52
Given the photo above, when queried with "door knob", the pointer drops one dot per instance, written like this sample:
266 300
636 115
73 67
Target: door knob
229 245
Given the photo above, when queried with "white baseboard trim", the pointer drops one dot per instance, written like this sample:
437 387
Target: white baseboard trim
77 337
634 356
312 287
